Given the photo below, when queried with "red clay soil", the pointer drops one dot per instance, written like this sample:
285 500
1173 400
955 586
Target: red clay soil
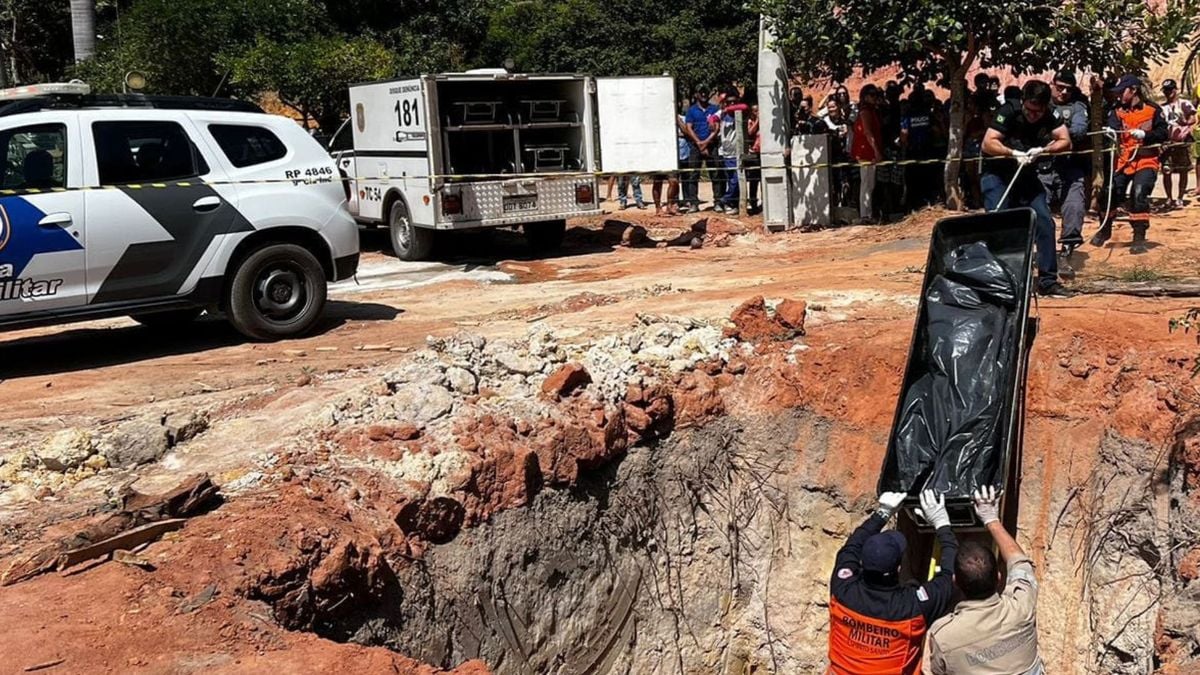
224 587
202 608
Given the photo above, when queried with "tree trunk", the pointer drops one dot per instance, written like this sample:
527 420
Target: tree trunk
959 64
83 29
954 145
1097 122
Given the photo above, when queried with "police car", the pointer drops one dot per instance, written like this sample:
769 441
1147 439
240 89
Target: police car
161 208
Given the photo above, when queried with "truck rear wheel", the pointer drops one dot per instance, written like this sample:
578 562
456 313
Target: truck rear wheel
408 241
545 236
278 291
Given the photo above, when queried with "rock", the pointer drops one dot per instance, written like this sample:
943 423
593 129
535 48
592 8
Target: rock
513 362
568 378
635 342
436 520
751 323
421 404
1189 566
637 419
185 426
96 462
462 380
137 442
65 450
791 313
392 432
417 372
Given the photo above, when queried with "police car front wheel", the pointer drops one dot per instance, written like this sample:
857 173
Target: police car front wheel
277 292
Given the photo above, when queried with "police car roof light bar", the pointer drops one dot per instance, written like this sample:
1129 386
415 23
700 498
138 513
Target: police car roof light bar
72 88
91 101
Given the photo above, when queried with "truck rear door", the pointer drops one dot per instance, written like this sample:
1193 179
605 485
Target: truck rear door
433 128
637 124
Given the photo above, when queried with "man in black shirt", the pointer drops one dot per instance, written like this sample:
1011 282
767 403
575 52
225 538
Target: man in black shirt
1023 131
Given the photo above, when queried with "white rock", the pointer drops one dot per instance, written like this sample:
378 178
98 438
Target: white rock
462 380
421 404
136 442
66 449
513 362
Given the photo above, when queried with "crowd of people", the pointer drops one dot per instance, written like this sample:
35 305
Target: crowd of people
889 148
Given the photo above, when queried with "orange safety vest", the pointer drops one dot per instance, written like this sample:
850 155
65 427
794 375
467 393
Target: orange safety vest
1142 118
861 645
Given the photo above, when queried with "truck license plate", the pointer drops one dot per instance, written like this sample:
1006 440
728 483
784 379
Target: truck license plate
520 203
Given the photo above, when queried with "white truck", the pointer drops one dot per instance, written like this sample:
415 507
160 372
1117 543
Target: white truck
496 149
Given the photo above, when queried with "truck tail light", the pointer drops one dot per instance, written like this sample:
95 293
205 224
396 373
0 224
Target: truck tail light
585 193
451 204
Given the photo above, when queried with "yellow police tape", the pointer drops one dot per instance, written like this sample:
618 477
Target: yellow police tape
555 174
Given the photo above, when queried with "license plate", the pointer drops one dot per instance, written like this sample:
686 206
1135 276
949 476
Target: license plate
521 203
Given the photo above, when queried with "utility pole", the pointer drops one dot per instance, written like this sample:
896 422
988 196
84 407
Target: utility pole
83 29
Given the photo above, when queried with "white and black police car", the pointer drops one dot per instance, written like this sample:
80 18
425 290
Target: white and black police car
164 207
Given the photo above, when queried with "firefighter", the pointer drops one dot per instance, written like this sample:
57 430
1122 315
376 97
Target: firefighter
877 624
1141 129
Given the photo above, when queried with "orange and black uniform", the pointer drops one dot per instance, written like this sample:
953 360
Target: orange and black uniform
876 624
1137 164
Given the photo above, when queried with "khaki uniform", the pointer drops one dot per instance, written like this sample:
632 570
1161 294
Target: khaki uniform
995 636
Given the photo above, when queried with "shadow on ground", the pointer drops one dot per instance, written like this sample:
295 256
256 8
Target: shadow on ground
86 346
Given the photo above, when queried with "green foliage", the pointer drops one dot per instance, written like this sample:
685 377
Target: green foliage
310 76
931 40
941 41
307 49
713 44
178 44
35 38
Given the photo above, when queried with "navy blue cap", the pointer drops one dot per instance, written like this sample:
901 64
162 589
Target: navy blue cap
1127 80
883 552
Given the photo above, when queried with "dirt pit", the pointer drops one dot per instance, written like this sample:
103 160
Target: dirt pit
617 462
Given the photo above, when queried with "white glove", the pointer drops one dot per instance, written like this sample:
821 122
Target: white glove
1022 157
1138 134
1034 152
987 504
933 509
889 503
1111 133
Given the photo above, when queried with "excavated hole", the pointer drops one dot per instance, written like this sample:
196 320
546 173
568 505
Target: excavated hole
708 551
655 562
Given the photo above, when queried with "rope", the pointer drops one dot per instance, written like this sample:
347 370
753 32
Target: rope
564 175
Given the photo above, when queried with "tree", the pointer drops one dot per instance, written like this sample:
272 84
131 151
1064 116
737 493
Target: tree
178 45
713 45
311 76
35 41
942 41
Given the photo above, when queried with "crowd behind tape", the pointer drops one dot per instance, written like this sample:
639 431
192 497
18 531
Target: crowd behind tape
11 192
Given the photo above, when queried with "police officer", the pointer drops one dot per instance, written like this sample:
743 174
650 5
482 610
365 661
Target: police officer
877 624
1064 176
1021 132
1140 129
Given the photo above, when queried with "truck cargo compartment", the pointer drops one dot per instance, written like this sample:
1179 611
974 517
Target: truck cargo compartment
494 128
